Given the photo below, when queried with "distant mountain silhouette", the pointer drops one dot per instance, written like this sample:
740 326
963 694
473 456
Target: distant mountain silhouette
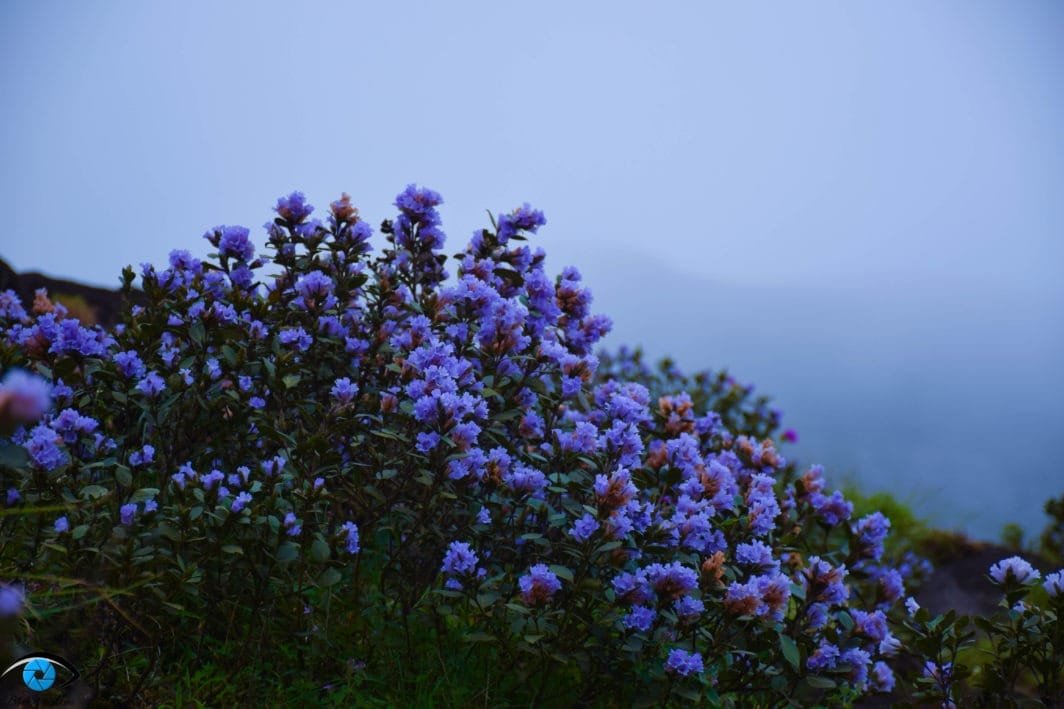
89 303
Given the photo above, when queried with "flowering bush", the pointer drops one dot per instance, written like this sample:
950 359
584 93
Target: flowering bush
364 457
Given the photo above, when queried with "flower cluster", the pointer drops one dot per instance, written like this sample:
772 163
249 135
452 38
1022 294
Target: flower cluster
356 420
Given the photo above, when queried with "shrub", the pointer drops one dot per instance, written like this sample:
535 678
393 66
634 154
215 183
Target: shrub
338 465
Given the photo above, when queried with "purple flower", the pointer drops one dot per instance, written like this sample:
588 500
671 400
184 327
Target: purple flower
129 364
823 658
62 525
126 512
539 585
683 663
71 425
151 385
352 541
817 615
24 398
241 501
756 554
233 241
419 203
688 608
833 510
871 531
1014 569
273 466
427 441
43 448
296 337
891 586
872 625
942 674
640 618
671 581
1054 584
583 528
744 598
211 479
583 439
632 588
13 496
775 591
11 600
484 516
524 218
214 369
11 306
762 503
150 505
911 606
183 475
882 677
291 525
142 457
523 479
858 661
825 583
459 560
315 290
343 390
293 208
615 491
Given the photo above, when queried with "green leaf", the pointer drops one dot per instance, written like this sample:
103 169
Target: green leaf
79 531
562 572
169 532
232 549
319 550
479 637
291 380
329 577
790 651
820 682
287 553
13 456
145 493
123 476
93 491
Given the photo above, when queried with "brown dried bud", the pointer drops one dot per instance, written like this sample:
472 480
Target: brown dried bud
713 569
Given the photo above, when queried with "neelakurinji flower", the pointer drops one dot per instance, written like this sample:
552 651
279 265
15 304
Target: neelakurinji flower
12 599
1054 584
539 585
684 663
1014 569
24 397
357 382
351 538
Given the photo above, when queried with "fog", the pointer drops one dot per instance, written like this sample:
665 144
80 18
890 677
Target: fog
947 397
855 207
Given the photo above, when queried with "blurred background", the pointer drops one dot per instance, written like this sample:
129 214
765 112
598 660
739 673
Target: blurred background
857 208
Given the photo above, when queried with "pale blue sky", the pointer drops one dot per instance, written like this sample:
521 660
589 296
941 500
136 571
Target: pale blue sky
855 205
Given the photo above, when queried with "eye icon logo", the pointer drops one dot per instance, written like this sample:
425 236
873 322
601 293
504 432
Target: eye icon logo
39 671
38 674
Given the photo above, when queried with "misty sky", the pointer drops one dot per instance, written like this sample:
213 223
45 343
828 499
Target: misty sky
856 207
